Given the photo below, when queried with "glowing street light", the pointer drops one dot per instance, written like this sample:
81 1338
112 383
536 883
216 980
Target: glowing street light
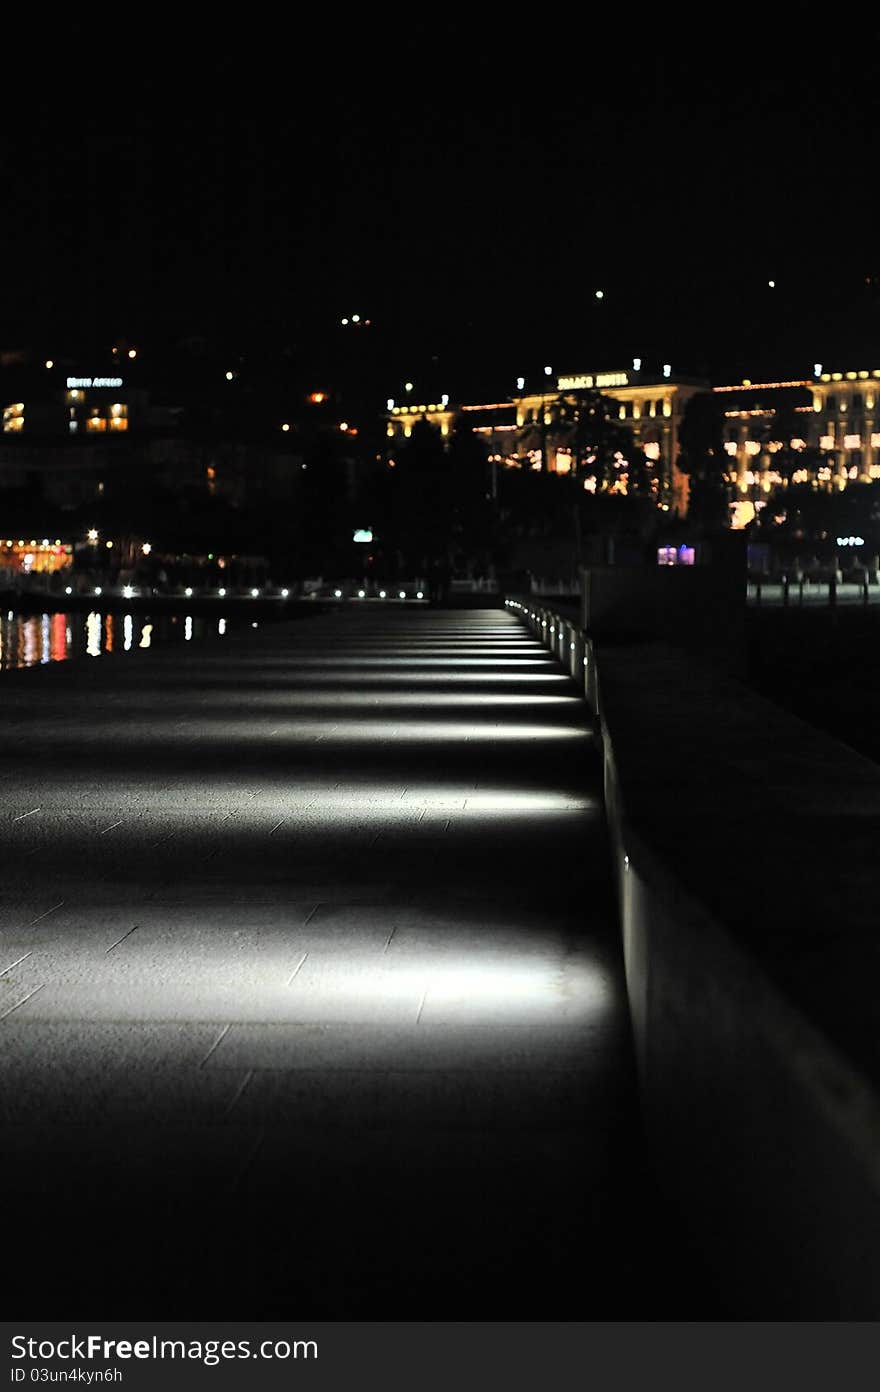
229 376
408 386
50 362
600 294
93 534
147 548
285 427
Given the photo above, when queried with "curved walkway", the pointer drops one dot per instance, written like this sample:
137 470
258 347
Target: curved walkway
310 999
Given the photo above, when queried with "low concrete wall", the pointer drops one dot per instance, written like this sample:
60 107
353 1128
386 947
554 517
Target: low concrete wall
746 849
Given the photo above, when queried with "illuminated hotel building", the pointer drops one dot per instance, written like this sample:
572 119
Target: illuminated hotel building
833 419
88 406
529 430
832 422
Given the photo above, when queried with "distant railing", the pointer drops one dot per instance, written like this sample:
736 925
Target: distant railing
805 592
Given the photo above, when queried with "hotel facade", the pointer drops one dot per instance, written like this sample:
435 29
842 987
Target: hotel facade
831 422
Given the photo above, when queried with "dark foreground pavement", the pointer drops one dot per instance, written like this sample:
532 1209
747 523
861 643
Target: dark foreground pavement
310 999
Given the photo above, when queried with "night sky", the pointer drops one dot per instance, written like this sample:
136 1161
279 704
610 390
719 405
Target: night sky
466 187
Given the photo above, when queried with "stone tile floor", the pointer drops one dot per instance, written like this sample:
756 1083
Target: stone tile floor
310 996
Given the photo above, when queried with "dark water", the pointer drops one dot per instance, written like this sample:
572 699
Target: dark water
33 640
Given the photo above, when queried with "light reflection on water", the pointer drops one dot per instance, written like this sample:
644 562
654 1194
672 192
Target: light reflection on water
34 639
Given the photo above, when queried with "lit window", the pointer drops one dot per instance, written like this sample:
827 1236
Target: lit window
826 442
852 442
96 423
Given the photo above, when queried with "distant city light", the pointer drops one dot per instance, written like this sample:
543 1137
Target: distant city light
188 592
317 397
343 425
444 400
402 594
355 318
50 362
132 353
363 534
600 294
390 403
97 589
381 594
109 545
229 376
93 535
285 593
637 364
344 321
255 594
817 369
127 592
520 383
361 594
222 593
147 548
667 370
285 427
772 284
548 371
408 386
68 589
420 595
337 594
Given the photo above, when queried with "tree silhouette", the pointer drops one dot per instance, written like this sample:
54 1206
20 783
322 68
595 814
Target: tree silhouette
703 458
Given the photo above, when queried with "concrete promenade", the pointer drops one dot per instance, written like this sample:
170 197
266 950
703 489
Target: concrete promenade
310 997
